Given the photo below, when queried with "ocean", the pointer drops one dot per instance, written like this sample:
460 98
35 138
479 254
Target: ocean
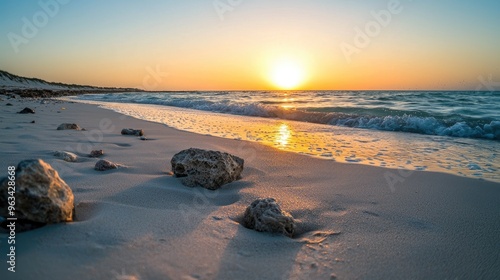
454 132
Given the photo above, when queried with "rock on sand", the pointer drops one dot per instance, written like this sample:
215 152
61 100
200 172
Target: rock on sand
66 156
131 131
208 169
69 126
96 153
41 195
103 165
266 215
26 111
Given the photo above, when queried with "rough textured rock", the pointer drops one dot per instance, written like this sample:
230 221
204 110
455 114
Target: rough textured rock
208 169
26 111
103 165
96 153
66 156
41 195
131 131
67 126
266 215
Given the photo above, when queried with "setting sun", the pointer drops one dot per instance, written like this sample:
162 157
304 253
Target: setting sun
287 74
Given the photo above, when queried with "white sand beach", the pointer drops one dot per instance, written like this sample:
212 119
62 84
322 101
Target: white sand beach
140 222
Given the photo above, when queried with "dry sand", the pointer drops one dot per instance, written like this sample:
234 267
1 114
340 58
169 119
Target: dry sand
138 222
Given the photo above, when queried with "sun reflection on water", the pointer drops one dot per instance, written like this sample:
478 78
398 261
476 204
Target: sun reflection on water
283 135
377 148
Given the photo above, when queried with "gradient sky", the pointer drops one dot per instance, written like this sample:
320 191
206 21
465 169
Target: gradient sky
428 45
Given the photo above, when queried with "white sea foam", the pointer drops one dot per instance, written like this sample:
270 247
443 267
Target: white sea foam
402 114
460 156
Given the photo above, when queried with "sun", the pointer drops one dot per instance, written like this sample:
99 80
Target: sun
287 74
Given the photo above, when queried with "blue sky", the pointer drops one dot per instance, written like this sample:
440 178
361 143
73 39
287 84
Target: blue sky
429 44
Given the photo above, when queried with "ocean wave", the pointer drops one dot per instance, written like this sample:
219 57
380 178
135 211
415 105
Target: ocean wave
377 119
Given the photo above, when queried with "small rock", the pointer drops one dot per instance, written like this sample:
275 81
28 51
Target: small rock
143 138
96 153
266 215
33 121
103 165
66 156
9 104
41 195
44 101
131 131
26 111
68 126
208 169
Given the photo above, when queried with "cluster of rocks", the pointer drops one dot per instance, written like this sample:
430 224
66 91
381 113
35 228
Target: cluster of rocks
42 197
212 170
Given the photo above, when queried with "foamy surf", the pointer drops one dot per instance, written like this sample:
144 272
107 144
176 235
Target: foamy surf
455 114
460 156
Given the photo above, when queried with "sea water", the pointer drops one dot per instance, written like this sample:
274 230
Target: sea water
452 132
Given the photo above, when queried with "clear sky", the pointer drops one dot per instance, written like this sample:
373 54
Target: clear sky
253 44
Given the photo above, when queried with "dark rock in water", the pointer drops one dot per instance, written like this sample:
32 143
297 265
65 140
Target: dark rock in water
103 165
131 131
41 195
9 104
33 121
69 126
96 153
266 215
26 111
208 169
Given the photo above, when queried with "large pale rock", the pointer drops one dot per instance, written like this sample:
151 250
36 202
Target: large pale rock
69 126
266 215
41 195
208 169
66 156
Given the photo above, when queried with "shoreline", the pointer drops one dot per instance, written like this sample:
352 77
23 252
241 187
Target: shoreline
465 157
140 222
